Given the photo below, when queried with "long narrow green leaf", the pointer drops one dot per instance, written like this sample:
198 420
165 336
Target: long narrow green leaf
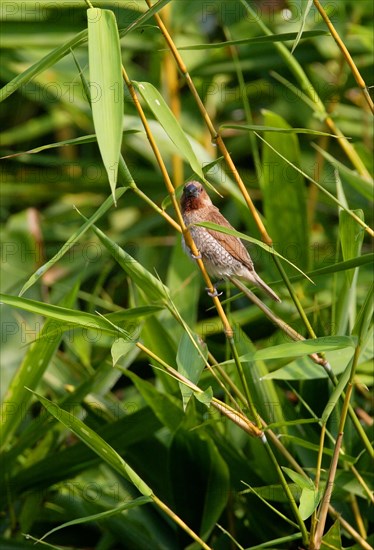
263 128
364 317
70 317
298 349
96 443
234 233
72 240
41 65
150 285
104 52
257 40
284 192
351 238
190 363
307 8
170 124
102 515
30 372
338 390
75 141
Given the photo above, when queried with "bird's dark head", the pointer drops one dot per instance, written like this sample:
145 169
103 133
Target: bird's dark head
194 196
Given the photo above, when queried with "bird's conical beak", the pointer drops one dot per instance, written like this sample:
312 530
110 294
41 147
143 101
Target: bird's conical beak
190 190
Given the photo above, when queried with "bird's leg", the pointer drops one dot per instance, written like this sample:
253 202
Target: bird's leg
198 257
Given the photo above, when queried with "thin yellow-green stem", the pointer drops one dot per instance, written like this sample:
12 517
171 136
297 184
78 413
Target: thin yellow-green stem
229 383
179 522
223 374
347 56
155 207
358 517
314 519
324 507
316 358
291 460
363 483
322 512
242 422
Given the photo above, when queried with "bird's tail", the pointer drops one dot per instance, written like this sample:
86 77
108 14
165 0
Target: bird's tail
261 284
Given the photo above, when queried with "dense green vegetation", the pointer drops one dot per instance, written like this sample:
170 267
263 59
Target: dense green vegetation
137 411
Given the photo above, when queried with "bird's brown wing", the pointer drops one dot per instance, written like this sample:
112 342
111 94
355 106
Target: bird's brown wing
233 245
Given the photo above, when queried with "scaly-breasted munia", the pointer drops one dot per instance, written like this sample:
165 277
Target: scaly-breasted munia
224 256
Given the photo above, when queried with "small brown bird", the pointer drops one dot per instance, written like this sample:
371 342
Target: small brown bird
224 256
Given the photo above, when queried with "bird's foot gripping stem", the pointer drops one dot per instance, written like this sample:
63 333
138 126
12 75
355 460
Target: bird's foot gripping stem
198 257
213 294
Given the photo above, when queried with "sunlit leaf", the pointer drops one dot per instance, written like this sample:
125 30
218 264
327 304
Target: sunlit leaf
105 64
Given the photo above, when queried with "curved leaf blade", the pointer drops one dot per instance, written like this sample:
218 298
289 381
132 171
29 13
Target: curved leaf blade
170 124
104 53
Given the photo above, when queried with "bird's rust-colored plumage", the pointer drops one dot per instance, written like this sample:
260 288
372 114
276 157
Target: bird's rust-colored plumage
224 256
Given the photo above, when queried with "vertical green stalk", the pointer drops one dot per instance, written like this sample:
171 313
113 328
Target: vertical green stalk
287 490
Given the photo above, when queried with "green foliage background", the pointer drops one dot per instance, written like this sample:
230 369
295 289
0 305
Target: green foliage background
71 336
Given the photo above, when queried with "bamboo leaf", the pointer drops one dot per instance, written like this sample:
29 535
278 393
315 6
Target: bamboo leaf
351 238
264 128
301 481
338 390
304 368
309 500
284 192
75 141
307 8
234 233
104 52
284 37
298 349
150 285
96 443
190 363
69 317
139 501
60 52
170 124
